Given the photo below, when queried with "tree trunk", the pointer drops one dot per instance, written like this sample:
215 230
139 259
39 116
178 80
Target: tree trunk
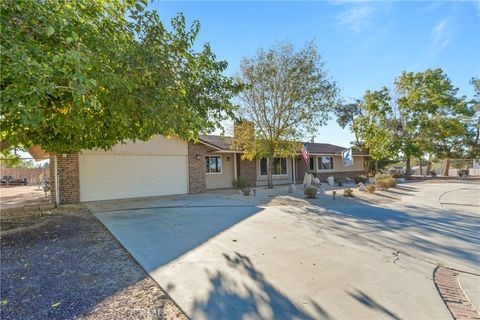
366 167
420 164
408 172
446 168
376 166
429 164
269 172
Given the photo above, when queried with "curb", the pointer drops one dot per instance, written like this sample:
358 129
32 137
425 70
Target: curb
448 286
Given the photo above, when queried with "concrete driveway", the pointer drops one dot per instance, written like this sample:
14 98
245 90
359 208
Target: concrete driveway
277 256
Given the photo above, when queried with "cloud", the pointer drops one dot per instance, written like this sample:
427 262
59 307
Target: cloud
441 35
355 18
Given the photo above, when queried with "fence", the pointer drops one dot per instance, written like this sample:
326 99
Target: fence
34 175
437 166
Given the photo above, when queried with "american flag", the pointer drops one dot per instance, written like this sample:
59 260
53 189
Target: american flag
306 154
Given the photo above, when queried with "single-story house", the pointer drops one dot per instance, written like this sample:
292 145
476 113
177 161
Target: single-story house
169 165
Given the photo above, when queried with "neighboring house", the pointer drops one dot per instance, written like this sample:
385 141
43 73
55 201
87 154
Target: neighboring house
169 165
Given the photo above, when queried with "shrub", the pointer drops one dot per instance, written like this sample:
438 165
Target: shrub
310 192
463 173
433 174
348 192
340 181
359 179
240 183
370 188
385 181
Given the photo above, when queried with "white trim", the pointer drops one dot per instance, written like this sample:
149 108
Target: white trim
215 156
314 164
337 154
294 163
324 170
57 186
235 174
260 175
209 145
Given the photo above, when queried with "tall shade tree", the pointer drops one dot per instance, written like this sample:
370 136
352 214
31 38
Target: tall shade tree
424 115
424 99
288 96
472 137
89 74
347 115
372 125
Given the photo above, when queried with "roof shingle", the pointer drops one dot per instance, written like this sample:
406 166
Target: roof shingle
223 143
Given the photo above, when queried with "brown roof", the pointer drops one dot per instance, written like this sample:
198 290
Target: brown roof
223 143
328 148
220 142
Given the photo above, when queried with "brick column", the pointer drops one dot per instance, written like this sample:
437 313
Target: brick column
197 180
69 178
248 169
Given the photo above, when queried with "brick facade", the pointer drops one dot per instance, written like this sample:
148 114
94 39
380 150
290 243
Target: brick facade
69 178
197 181
247 169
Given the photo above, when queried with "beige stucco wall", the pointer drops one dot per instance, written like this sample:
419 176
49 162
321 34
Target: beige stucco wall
224 179
337 164
358 163
157 145
339 167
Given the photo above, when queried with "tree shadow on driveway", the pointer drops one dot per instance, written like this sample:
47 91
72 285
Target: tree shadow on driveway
258 299
428 230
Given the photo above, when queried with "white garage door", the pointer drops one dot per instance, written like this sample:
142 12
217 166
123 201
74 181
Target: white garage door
115 176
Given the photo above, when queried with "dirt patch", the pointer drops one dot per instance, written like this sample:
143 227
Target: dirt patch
69 266
18 196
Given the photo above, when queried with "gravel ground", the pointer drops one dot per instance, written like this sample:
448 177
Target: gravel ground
70 266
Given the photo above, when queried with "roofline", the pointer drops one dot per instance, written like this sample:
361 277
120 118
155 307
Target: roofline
210 145
336 154
311 153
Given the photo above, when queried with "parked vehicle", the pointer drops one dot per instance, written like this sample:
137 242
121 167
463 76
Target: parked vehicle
11 180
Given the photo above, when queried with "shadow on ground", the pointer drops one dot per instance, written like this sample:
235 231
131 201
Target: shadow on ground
256 300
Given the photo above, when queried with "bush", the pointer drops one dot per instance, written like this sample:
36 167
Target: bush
348 192
398 175
311 192
340 181
370 188
359 179
463 173
385 181
241 183
433 173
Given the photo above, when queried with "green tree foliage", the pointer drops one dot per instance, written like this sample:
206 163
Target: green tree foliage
425 115
373 124
85 74
347 115
288 97
471 139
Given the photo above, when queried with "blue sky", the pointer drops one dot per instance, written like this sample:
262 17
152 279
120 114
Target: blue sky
365 44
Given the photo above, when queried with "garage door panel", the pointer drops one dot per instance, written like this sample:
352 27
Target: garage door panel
104 177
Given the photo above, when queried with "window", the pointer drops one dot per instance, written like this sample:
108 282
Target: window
279 166
214 164
325 163
312 163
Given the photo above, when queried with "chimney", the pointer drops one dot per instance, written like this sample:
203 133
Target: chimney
243 128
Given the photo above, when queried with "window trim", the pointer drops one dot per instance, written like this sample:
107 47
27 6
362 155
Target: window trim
319 169
273 175
313 159
214 156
